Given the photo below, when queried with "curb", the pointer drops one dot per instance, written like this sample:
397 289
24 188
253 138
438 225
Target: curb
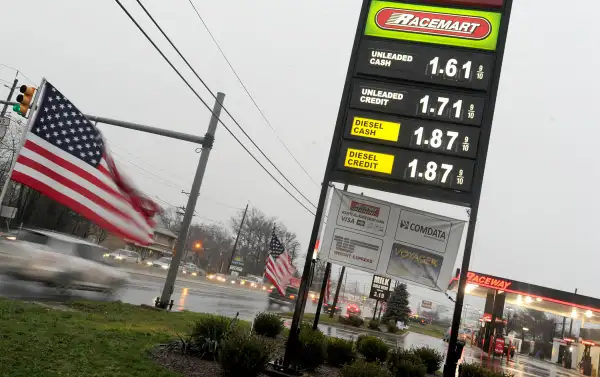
360 330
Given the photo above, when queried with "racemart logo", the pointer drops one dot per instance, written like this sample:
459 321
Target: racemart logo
364 208
433 23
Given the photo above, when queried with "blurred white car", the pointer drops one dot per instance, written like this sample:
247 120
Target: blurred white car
163 263
122 255
60 260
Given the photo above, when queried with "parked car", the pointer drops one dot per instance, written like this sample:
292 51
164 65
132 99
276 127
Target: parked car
288 300
123 255
59 260
163 263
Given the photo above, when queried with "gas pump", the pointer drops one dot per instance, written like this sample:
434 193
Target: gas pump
567 360
585 366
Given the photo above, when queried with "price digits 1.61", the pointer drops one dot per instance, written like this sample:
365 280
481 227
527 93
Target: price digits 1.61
451 69
437 139
432 173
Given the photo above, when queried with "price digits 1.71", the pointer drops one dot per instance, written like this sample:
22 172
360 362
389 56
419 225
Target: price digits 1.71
432 173
450 69
442 102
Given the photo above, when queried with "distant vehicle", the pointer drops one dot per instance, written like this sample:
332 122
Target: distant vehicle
218 277
289 299
327 308
123 255
192 269
163 263
463 334
59 260
252 281
353 309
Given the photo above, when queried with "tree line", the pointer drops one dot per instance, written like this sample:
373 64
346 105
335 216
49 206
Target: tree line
217 240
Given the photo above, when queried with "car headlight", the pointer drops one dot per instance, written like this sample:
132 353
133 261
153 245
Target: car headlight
233 282
149 263
241 282
194 274
164 267
105 255
118 257
184 271
11 238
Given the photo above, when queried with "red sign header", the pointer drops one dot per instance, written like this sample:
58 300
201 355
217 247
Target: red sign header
487 281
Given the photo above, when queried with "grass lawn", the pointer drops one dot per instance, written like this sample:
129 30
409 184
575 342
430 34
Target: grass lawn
431 330
98 339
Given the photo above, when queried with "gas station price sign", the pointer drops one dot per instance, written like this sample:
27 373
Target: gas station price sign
411 133
406 165
419 97
418 102
425 64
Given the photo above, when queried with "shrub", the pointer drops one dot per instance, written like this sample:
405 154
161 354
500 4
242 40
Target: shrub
372 348
361 368
352 320
268 324
391 327
209 331
403 363
374 325
476 370
431 358
340 352
244 354
313 348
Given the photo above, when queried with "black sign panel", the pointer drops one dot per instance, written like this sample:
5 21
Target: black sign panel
407 165
411 133
427 64
380 288
417 102
419 97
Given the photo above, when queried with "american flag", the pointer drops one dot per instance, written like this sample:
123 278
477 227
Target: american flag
279 268
65 158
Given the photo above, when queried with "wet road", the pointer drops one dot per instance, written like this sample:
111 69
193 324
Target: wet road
201 296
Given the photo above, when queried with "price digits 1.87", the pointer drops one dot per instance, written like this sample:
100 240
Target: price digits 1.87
432 173
450 69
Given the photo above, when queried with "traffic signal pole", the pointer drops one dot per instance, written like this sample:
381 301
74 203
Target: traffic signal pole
191 204
10 94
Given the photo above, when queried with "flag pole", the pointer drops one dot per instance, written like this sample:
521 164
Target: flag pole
32 117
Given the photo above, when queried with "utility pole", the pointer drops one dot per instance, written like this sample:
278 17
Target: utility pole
337 292
237 238
191 204
10 94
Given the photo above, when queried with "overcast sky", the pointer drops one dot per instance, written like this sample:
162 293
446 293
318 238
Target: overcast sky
537 219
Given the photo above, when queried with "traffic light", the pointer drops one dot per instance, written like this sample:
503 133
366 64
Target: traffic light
25 99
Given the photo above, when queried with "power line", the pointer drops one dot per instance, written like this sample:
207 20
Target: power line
248 92
215 97
207 106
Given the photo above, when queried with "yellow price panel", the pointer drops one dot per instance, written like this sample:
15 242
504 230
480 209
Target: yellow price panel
375 129
370 161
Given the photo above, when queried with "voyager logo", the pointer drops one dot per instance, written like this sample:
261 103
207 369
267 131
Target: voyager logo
427 231
443 24
364 208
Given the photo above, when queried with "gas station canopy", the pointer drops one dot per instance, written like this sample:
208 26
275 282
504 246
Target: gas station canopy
525 295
